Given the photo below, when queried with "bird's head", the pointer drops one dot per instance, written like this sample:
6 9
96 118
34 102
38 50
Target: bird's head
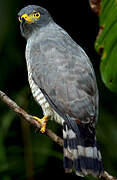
32 17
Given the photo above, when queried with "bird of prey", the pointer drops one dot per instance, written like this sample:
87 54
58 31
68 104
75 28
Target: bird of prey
63 82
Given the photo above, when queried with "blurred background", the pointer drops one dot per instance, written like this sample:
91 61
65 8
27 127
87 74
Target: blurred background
24 154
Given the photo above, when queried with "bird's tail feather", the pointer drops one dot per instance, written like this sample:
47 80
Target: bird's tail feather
82 153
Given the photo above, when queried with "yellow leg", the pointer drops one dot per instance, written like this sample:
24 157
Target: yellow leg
42 122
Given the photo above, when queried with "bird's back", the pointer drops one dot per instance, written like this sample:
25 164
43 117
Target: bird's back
64 66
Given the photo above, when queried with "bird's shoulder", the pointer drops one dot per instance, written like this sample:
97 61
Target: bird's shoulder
56 49
51 41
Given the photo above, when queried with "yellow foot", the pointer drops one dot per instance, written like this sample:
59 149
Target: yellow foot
42 122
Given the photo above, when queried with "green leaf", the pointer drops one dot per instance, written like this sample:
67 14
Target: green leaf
106 43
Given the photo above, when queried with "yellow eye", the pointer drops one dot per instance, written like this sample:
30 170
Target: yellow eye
36 15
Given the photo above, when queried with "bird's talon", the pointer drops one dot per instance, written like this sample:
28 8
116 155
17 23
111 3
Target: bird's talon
42 122
43 128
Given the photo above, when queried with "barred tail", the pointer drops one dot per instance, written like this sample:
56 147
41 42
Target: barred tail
82 153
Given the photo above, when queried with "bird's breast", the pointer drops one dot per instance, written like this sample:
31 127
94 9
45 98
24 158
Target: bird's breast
39 96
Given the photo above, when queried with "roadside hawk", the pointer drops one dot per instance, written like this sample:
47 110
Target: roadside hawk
62 81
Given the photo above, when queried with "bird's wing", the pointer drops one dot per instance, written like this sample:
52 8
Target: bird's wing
65 75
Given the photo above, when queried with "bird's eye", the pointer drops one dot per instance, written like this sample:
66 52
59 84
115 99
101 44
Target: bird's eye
36 15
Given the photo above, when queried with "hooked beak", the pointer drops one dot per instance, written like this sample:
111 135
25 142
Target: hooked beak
25 18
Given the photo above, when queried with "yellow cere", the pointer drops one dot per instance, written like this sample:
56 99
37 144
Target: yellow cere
31 17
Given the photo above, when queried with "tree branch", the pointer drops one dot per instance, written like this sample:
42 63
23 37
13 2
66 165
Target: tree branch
28 117
31 120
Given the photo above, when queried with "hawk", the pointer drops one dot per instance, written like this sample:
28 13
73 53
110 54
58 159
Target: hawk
63 82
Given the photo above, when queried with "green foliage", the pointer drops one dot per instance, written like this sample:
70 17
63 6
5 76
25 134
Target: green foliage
106 43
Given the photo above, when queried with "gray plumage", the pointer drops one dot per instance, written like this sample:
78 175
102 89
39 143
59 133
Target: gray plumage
64 74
